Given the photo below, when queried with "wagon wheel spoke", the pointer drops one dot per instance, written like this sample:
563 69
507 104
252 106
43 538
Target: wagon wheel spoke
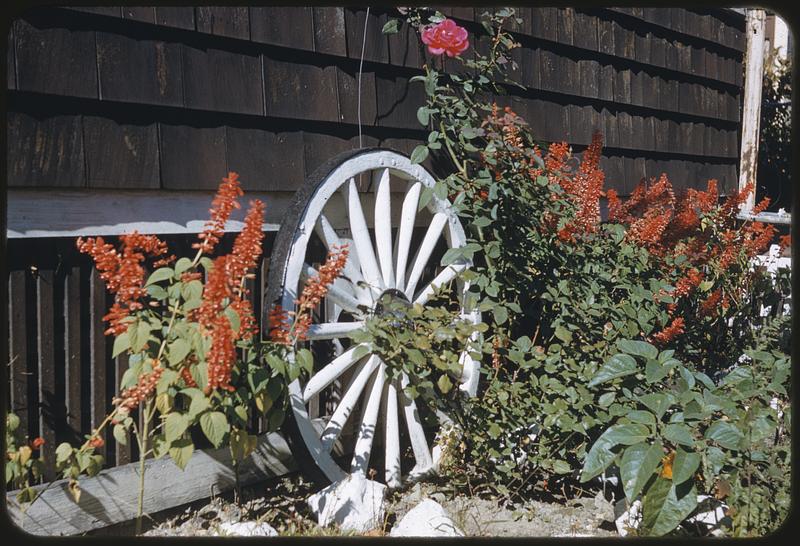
425 249
393 475
338 292
361 237
419 445
366 431
330 372
352 269
447 275
332 330
407 217
383 227
334 427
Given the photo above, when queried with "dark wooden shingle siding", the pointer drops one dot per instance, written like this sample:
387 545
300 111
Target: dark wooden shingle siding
173 97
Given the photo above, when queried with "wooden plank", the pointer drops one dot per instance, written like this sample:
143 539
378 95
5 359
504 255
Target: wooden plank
319 147
637 132
123 453
548 70
637 88
113 11
233 22
531 63
622 86
587 28
544 23
565 24
671 55
146 14
299 91
661 133
610 131
49 401
376 47
265 160
121 155
285 26
405 48
329 31
178 17
347 93
22 363
45 152
48 60
11 69
397 101
99 379
673 137
650 91
648 133
110 497
192 157
684 57
698 61
590 78
223 81
606 80
114 212
136 70
606 36
658 50
74 296
625 128
642 47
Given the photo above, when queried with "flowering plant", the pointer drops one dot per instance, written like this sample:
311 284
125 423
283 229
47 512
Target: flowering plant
194 351
564 292
445 37
21 463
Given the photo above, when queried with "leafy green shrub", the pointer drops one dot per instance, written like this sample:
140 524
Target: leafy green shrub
565 296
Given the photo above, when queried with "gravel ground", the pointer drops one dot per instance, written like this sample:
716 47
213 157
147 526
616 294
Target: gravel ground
283 506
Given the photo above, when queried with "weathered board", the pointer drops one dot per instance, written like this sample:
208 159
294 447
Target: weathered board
111 496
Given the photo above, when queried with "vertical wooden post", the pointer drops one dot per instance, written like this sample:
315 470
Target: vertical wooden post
751 113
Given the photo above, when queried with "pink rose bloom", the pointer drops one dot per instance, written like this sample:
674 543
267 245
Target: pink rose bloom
446 37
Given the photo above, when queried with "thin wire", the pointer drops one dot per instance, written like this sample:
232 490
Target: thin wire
360 67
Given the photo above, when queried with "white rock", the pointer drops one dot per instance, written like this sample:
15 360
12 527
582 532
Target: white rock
427 519
248 529
355 504
630 518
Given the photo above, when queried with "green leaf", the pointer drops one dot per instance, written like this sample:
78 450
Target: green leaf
160 446
444 383
390 27
233 318
177 351
684 465
120 434
215 426
168 377
181 451
419 154
160 274
563 334
658 403
599 456
121 344
618 365
643 417
198 405
638 348
182 265
451 255
665 505
305 360
63 452
639 463
561 467
679 434
174 426
725 434
423 115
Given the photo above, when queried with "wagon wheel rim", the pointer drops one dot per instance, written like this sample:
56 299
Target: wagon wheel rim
377 264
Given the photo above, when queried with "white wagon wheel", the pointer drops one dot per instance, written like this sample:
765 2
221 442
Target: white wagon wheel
380 265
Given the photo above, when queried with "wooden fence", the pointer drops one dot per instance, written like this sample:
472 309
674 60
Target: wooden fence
62 376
